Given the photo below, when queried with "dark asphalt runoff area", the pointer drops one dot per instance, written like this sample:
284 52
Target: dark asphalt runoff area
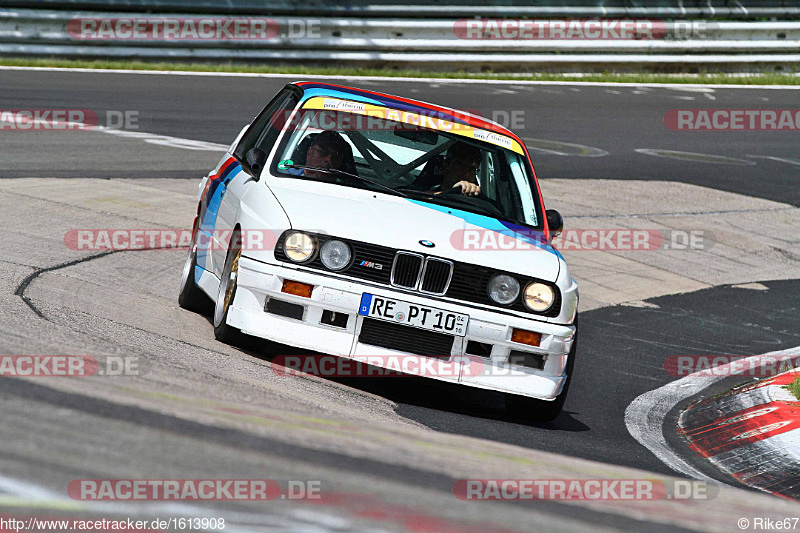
622 354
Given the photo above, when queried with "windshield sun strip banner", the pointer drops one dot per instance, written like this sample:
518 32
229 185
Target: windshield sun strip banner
416 119
385 100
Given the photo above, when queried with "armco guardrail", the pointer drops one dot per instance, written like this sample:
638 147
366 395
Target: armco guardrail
717 9
435 43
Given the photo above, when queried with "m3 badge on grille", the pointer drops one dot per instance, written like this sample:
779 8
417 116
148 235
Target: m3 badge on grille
370 264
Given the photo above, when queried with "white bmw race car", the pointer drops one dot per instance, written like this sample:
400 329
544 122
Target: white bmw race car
373 227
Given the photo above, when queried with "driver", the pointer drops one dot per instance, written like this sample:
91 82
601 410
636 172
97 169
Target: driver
457 169
326 151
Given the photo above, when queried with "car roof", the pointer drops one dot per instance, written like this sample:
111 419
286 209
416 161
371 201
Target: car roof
407 104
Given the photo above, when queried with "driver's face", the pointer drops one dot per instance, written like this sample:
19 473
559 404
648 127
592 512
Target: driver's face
323 156
460 170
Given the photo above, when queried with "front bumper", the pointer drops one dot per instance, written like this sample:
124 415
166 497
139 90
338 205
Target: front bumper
491 330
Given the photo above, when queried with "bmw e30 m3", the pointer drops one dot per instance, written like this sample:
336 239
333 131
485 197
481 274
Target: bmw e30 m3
398 228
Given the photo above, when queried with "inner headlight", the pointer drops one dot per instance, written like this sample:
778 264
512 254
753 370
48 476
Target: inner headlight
298 247
503 289
539 297
335 255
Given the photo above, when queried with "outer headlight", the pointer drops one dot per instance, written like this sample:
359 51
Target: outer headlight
503 289
298 247
335 255
538 297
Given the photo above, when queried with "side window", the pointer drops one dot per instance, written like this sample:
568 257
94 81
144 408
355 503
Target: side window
268 124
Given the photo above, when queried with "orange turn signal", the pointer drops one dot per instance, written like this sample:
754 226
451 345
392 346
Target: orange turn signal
297 288
526 337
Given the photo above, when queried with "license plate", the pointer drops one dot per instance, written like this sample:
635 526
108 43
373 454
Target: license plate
408 314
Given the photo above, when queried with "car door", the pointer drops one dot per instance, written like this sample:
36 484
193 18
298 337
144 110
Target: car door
262 134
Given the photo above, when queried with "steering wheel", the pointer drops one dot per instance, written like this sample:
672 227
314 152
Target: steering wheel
457 190
481 197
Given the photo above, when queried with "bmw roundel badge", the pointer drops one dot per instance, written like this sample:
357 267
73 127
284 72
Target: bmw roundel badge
427 244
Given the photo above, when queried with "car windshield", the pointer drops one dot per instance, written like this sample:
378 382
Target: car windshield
354 147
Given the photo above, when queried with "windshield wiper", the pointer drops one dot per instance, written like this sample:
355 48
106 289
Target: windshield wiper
337 172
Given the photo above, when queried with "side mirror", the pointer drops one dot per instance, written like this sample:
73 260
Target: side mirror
255 159
555 223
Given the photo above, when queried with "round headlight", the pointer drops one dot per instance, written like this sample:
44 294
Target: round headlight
335 255
539 297
298 247
503 289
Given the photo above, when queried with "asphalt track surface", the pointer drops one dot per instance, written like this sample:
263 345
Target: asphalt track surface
622 348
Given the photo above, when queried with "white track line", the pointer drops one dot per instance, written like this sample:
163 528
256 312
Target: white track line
164 140
23 489
152 138
644 417
404 79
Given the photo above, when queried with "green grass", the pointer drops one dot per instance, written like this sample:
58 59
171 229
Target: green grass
794 387
702 78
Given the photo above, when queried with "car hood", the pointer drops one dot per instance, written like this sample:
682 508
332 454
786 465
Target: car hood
401 223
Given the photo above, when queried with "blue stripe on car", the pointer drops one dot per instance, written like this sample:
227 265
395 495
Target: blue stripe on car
210 209
531 236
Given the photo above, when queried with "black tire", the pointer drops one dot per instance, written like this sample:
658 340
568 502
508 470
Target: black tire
524 408
227 292
191 297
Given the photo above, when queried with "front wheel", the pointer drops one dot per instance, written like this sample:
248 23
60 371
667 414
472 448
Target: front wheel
191 297
227 291
540 410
